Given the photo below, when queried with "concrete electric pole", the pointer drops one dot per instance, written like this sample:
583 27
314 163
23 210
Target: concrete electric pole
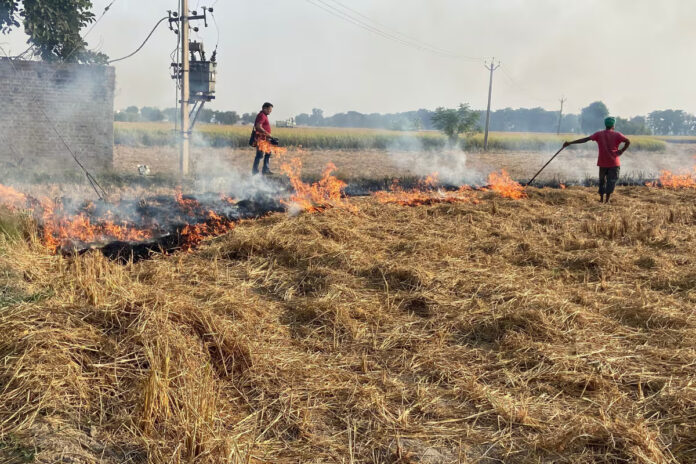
492 67
560 116
195 76
185 91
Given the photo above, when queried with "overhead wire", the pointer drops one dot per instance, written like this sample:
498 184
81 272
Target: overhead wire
94 24
404 36
165 18
351 18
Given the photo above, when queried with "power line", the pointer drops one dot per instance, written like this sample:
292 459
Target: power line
404 36
346 16
108 7
165 18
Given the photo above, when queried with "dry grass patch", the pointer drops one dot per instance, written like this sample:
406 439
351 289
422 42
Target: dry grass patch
545 330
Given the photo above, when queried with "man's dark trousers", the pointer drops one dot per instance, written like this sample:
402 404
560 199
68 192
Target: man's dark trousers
607 179
266 158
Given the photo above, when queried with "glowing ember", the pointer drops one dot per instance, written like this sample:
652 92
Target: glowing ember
318 196
669 180
192 235
502 183
425 194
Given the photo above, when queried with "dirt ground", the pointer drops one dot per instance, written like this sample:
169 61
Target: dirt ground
570 166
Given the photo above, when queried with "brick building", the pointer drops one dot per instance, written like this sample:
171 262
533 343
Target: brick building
79 102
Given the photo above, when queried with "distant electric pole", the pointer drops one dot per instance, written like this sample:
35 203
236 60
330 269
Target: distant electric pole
560 116
492 67
185 92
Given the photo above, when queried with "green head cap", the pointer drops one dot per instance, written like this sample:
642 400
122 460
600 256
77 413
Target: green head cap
609 122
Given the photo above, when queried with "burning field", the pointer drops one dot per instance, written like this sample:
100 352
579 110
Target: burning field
493 324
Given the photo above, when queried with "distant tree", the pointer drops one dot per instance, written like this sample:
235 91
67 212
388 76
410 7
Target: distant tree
53 27
672 122
570 123
206 116
317 117
130 114
230 117
453 122
171 114
151 114
635 126
592 117
248 118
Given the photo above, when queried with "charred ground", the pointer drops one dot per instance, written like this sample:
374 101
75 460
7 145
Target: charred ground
550 329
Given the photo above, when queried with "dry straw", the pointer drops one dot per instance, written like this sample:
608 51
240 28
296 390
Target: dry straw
550 329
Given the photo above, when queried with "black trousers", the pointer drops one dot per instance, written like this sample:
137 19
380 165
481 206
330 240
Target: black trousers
607 180
266 159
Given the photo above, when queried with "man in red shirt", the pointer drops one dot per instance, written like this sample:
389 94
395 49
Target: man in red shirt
262 126
608 142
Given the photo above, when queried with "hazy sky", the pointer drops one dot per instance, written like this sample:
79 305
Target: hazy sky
635 55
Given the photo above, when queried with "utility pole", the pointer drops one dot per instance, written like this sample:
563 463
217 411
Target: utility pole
560 116
185 93
190 69
492 67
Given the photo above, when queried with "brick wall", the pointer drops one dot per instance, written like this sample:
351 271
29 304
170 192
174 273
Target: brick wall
79 102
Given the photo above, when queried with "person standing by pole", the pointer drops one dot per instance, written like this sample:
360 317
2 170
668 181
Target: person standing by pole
262 128
608 142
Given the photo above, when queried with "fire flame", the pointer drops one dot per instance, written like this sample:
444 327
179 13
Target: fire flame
12 198
318 196
425 194
502 183
669 180
266 147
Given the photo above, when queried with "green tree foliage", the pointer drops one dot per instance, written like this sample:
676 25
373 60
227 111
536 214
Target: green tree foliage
151 114
453 122
592 117
634 126
53 27
672 122
227 117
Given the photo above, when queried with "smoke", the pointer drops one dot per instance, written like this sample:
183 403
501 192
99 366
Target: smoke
215 173
449 164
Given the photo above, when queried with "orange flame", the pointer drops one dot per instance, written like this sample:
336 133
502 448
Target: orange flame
503 184
12 198
325 193
424 194
266 147
59 231
669 180
192 235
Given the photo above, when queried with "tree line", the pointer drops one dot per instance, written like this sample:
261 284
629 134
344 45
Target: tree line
590 119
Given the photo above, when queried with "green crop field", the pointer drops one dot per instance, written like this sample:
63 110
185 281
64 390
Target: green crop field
162 134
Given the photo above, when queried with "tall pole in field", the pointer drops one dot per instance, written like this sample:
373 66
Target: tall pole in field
185 92
560 116
491 68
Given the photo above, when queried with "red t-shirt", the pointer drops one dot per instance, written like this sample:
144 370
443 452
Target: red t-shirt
608 142
262 119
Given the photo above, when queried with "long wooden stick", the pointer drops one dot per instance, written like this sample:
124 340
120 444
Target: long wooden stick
544 167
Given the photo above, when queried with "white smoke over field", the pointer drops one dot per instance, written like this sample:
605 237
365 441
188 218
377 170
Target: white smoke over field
573 166
449 164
